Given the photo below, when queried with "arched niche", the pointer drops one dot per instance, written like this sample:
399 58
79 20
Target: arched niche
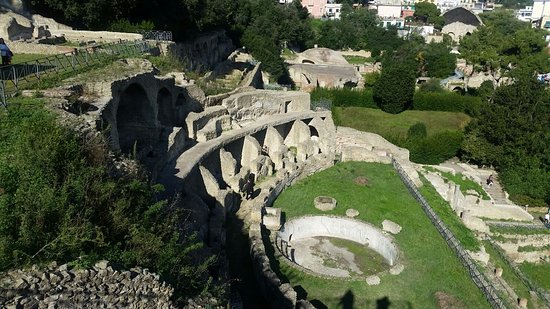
135 120
165 109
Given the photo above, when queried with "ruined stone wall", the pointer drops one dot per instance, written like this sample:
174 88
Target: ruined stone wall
202 53
100 287
20 47
98 36
281 295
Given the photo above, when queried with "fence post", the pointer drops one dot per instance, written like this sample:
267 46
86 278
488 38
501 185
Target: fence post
15 79
3 101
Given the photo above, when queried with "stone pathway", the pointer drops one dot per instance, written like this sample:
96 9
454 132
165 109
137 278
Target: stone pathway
496 192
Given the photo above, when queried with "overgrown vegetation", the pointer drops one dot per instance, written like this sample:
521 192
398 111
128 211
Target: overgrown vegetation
167 64
419 242
60 201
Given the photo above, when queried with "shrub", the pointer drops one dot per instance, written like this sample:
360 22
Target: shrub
432 85
394 90
344 97
436 148
417 131
370 79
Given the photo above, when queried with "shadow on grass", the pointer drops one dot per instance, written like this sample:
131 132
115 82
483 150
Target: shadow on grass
347 300
383 303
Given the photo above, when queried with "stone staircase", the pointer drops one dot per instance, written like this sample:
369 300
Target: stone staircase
496 192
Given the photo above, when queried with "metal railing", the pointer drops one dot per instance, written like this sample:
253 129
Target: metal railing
157 35
486 287
14 77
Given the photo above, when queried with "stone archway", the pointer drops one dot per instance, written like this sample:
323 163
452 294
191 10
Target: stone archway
165 109
135 120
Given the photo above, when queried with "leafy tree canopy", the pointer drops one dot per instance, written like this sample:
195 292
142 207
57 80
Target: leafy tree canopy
427 12
512 134
504 44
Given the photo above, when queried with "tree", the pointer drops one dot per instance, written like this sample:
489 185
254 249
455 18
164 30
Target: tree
427 12
512 134
394 90
437 61
504 45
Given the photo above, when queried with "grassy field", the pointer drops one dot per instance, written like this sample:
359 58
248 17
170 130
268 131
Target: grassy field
19 58
390 125
539 273
430 265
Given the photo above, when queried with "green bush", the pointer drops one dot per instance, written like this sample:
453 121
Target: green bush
345 97
417 131
370 79
58 201
393 92
432 85
446 102
436 148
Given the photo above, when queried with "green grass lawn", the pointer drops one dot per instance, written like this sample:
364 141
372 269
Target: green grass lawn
19 58
390 125
539 273
430 265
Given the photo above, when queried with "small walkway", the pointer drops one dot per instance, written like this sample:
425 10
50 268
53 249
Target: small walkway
496 192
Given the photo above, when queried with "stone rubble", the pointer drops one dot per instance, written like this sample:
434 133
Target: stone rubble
98 287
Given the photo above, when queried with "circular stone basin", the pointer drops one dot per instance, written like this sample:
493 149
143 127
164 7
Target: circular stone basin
304 241
324 203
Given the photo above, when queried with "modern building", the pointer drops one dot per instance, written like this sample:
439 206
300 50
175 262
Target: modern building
541 14
333 10
322 8
316 8
389 9
525 14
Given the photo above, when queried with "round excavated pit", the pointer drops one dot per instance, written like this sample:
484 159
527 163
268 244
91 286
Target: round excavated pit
337 246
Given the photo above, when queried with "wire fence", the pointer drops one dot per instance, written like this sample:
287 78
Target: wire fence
157 35
483 283
543 294
18 76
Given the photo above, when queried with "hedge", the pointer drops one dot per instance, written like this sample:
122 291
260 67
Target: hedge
435 149
345 97
423 101
446 102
